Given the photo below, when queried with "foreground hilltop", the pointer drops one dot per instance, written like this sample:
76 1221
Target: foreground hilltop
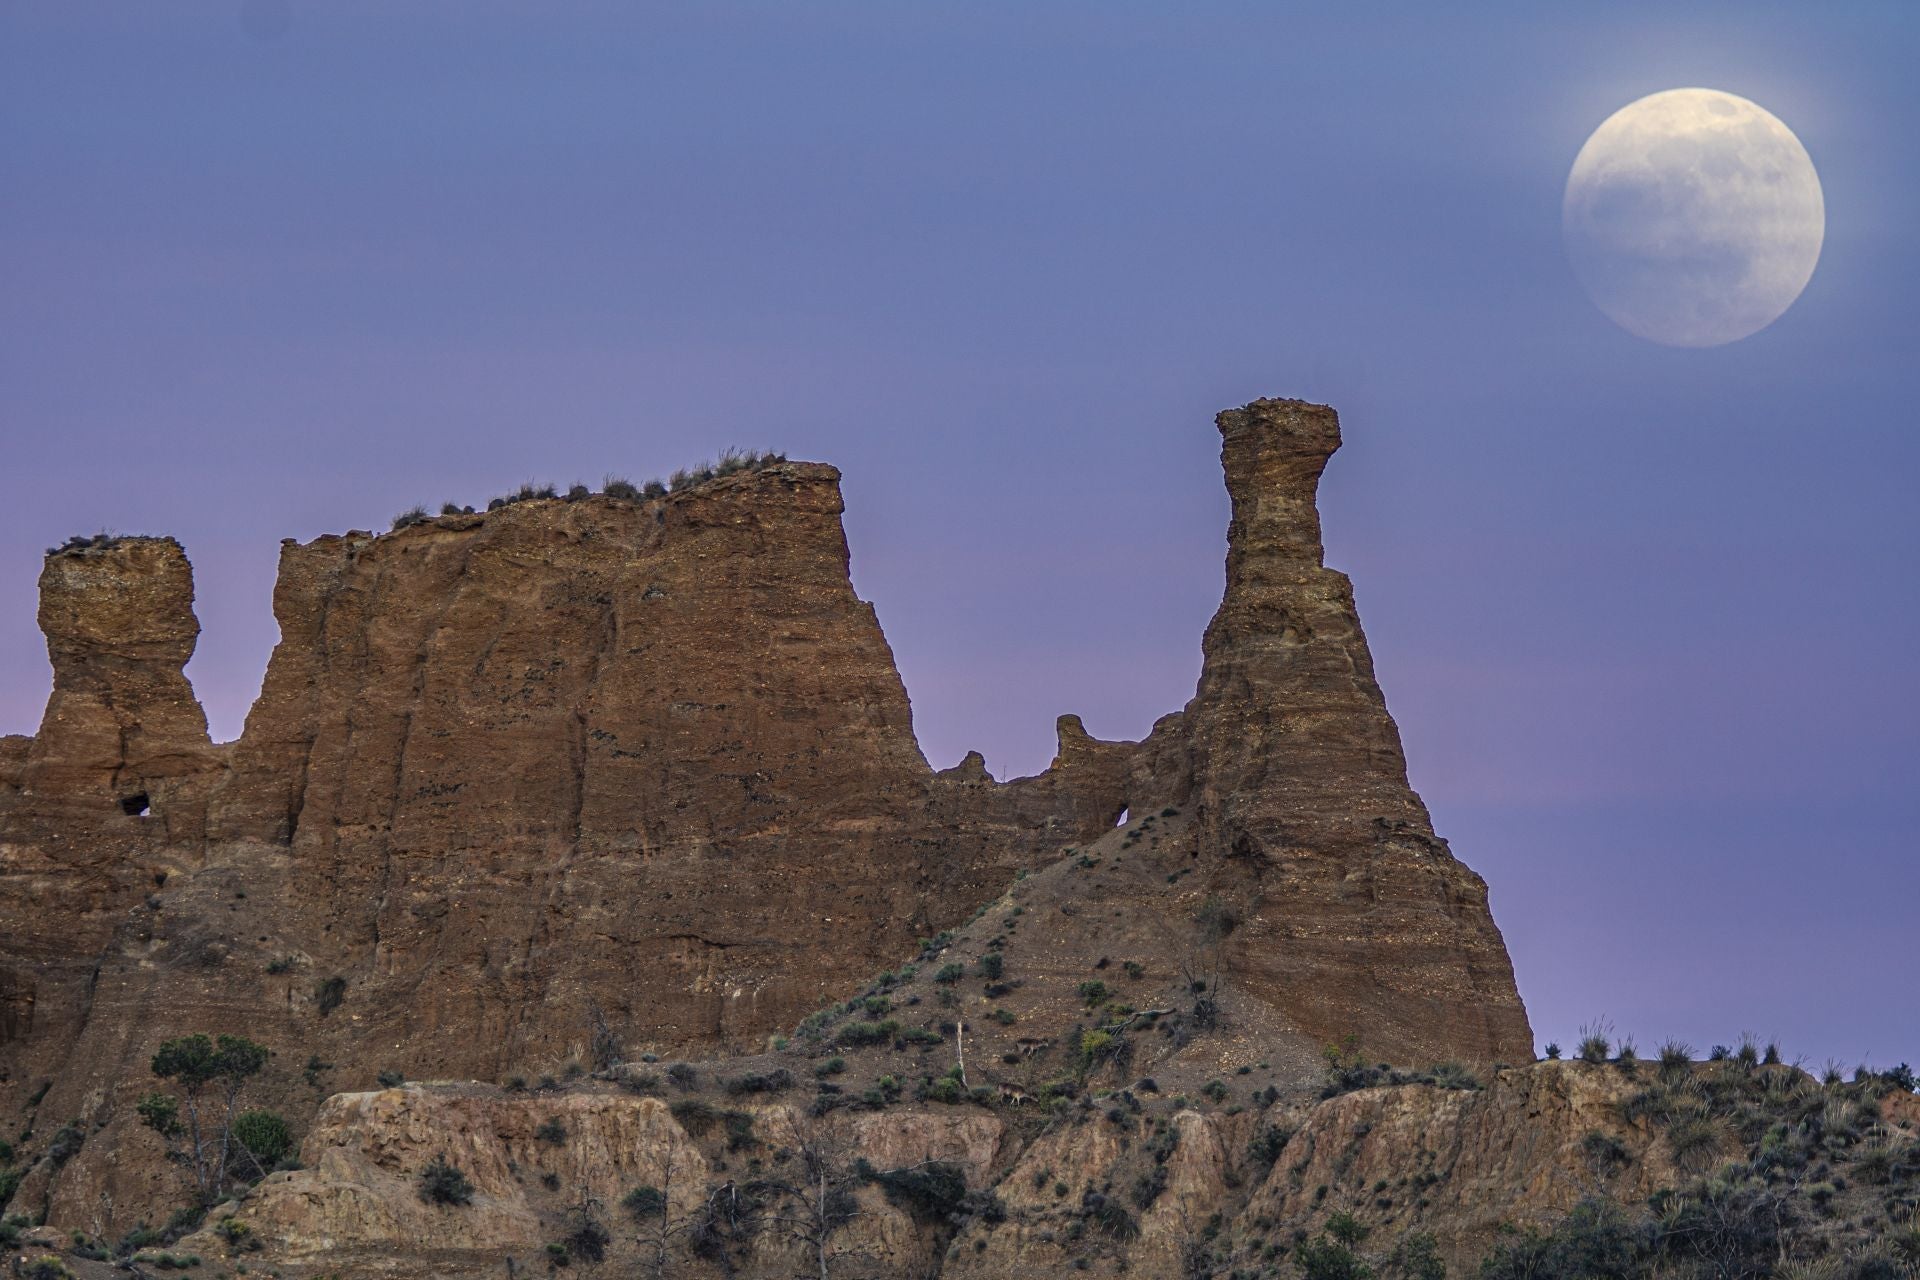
610 778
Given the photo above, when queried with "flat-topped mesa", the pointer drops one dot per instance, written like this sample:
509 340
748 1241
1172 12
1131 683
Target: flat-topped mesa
555 672
122 729
1361 920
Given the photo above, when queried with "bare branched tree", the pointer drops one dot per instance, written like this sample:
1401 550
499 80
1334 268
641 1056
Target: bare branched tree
814 1211
811 1213
659 1226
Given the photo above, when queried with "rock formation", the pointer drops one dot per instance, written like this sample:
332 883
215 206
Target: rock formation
578 779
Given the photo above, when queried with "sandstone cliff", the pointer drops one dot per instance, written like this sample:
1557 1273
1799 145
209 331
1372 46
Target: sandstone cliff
574 780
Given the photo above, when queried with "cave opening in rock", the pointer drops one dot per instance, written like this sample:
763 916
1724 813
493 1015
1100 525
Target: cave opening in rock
136 805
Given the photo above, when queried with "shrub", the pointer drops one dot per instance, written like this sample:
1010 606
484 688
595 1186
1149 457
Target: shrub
1216 919
65 1144
854 1034
831 1067
1417 1257
619 487
454 509
391 1079
329 994
1109 1215
644 1202
235 1232
1267 1144
1451 1075
265 1136
775 1081
552 1132
946 1089
1093 1044
1093 992
1347 1229
653 489
1594 1242
739 1125
441 1183
1552 1052
1728 1229
1593 1048
1324 1259
1695 1140
1004 1017
1216 1090
930 1192
694 1115
411 516
950 973
991 965
683 1074
1135 969
577 491
588 1239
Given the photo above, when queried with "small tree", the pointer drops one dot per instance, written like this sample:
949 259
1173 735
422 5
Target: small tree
210 1073
587 1236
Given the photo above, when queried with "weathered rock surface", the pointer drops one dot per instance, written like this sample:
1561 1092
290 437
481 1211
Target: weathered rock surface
646 769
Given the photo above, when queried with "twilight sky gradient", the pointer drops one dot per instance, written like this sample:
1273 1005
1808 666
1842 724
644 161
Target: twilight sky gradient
1648 617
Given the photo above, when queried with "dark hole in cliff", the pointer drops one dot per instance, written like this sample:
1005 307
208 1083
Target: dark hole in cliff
136 806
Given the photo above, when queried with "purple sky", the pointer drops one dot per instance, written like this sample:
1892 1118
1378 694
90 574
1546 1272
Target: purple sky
1648 617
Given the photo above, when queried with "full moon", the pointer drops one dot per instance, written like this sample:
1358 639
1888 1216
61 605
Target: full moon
1693 217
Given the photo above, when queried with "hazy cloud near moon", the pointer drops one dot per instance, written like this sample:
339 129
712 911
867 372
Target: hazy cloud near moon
1693 217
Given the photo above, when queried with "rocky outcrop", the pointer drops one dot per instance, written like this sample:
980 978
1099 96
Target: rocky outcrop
123 735
1193 1196
1357 917
566 777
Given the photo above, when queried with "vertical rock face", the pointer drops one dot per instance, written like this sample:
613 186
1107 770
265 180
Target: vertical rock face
1359 920
517 759
525 782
